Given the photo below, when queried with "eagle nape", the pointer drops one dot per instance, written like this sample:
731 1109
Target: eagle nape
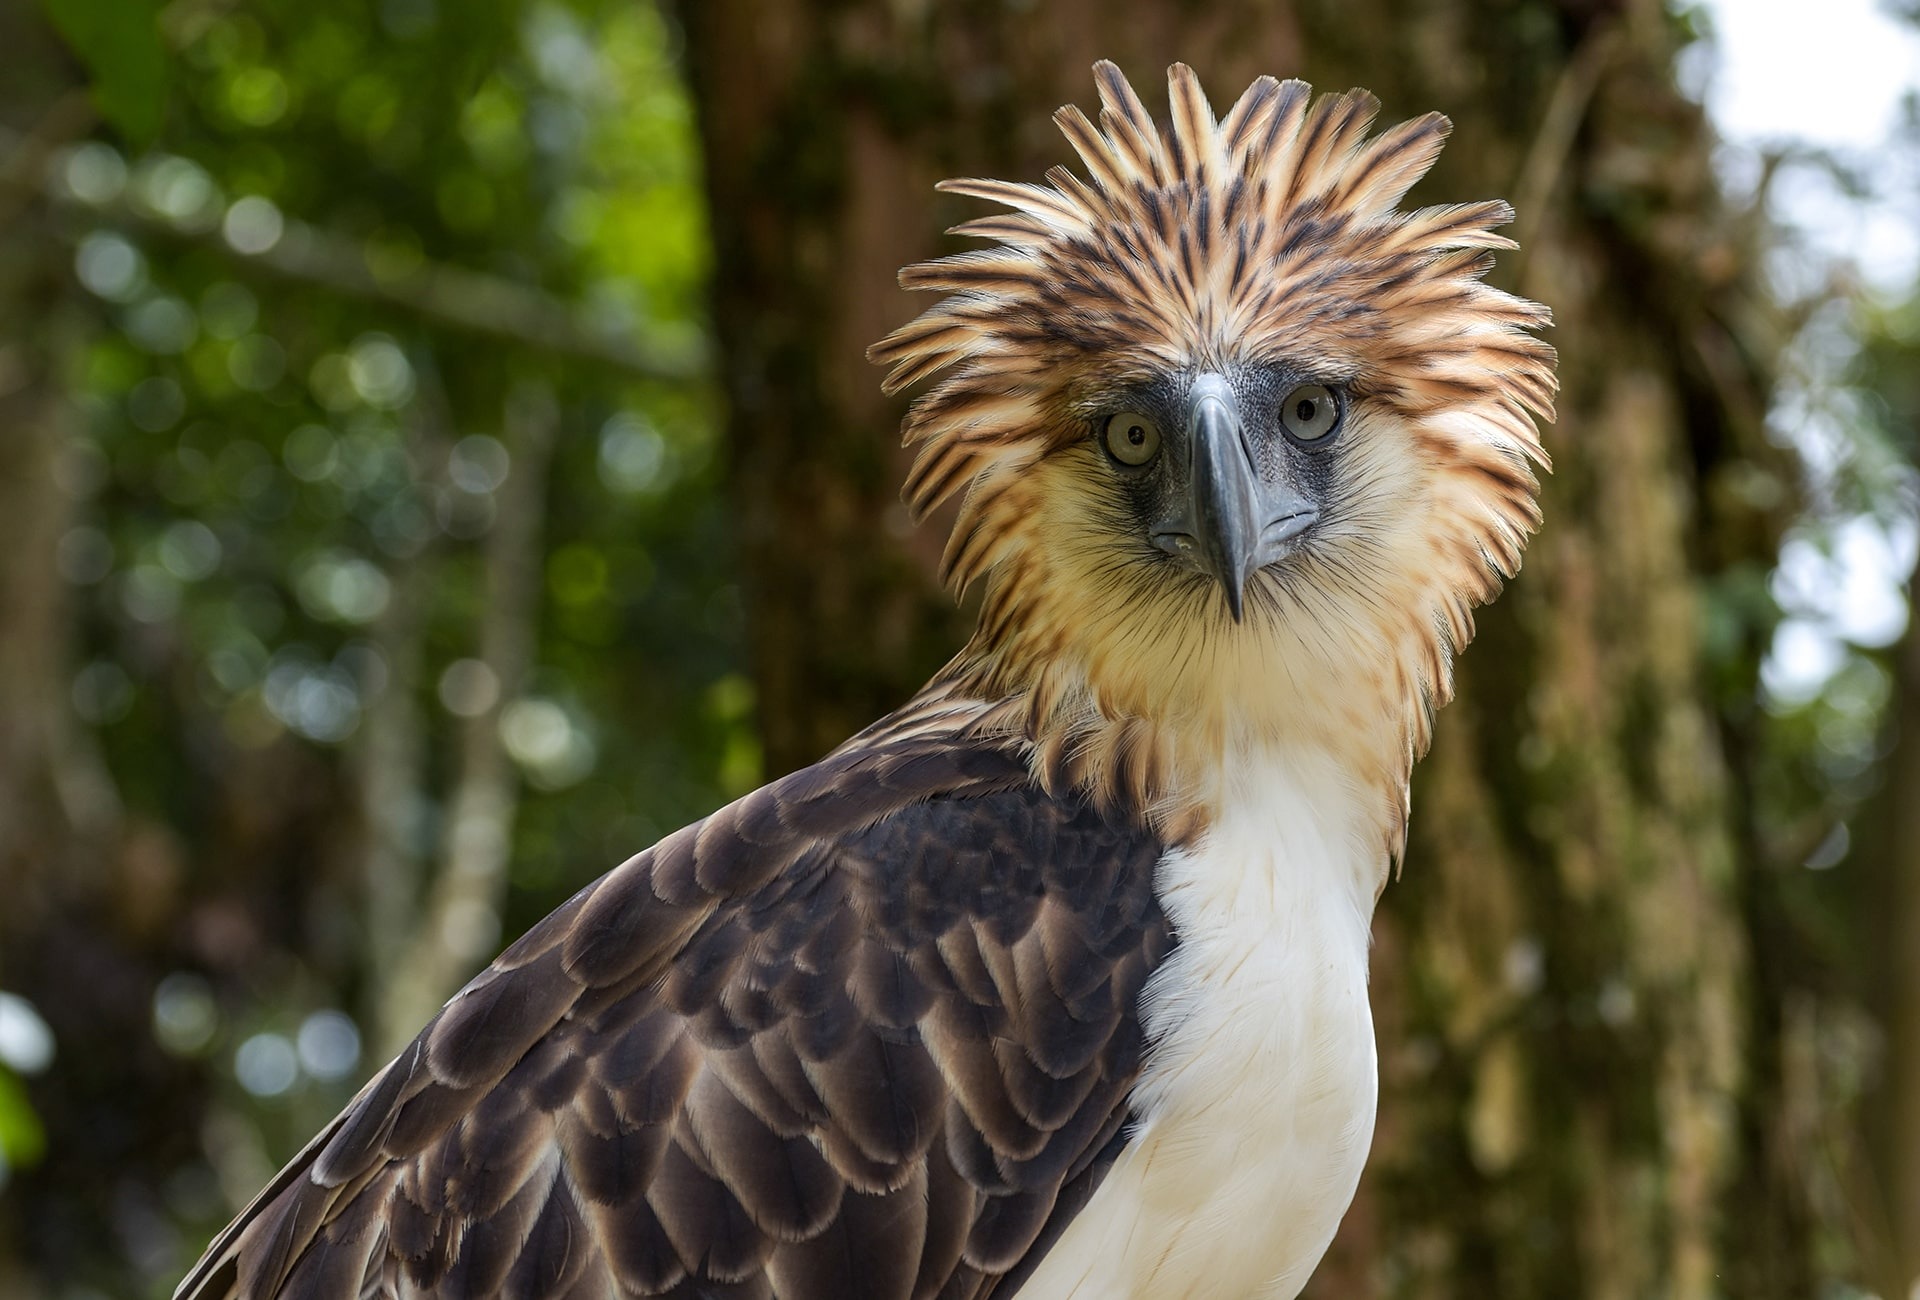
1052 983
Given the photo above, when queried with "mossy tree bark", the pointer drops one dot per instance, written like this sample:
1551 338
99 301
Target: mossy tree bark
1578 1061
1576 1073
1883 907
1889 912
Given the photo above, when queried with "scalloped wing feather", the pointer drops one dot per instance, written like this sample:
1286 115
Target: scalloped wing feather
869 1031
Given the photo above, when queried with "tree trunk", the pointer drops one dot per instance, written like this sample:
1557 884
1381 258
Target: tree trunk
71 942
825 127
1574 1078
1575 1081
1887 914
49 793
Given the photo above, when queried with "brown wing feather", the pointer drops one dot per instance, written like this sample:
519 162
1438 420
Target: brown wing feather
868 1032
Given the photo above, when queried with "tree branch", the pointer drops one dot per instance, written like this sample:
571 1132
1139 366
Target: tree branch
474 301
459 926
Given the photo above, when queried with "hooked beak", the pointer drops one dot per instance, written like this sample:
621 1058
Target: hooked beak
1234 523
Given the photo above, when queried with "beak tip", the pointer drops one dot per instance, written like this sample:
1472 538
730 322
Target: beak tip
1225 505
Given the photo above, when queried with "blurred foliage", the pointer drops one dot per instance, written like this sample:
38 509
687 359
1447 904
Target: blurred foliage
122 47
294 365
1817 736
23 1140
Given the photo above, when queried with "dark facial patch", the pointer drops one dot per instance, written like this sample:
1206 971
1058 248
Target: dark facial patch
1156 493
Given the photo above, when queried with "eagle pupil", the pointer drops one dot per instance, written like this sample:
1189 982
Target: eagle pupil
1304 412
1137 435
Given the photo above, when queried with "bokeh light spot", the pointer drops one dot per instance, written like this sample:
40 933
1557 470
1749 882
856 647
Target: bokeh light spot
257 96
552 749
633 455
379 372
149 594
110 266
95 173
468 688
328 1044
266 1065
310 453
189 550
185 1015
253 225
340 587
478 463
163 325
179 190
26 1040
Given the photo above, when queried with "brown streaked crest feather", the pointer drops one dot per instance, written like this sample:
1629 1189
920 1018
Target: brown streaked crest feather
1209 242
1128 125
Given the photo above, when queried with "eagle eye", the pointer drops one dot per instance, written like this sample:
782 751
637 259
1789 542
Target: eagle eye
1310 413
1132 439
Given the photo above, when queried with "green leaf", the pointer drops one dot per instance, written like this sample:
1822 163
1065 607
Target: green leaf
119 41
22 1140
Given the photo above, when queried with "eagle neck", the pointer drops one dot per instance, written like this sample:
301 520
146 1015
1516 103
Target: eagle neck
1183 755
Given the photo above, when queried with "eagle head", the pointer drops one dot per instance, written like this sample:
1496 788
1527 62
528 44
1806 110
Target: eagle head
1241 441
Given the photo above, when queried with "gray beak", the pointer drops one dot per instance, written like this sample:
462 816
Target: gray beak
1226 497
1233 522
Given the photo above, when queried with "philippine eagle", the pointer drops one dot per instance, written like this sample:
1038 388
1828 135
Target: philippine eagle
1052 983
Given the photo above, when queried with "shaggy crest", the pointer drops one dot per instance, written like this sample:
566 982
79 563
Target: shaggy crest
1271 238
1276 231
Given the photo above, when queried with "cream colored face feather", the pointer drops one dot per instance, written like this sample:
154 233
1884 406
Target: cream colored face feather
1267 243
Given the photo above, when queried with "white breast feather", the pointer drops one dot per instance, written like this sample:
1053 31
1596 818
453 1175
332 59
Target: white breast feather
1257 1104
